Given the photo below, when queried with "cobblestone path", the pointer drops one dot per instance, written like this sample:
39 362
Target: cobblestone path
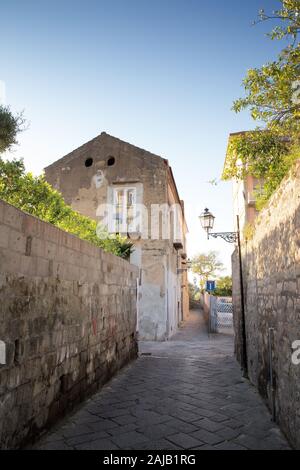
186 393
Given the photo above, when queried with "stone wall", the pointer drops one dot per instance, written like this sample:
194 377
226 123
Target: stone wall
67 318
271 270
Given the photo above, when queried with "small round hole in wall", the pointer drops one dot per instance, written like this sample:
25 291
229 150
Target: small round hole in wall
88 162
111 161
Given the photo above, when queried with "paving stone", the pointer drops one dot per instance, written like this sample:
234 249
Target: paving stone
229 446
58 445
77 430
103 425
208 437
218 418
112 413
129 439
208 425
184 441
228 433
73 441
124 419
161 444
252 443
233 424
85 418
157 431
188 394
150 418
180 425
100 444
204 447
117 431
273 443
185 416
205 413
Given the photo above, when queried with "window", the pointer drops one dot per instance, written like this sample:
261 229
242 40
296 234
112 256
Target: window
88 162
111 161
124 210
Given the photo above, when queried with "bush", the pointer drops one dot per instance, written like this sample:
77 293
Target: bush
224 287
265 155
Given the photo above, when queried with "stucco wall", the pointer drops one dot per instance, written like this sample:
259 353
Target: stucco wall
159 292
67 318
271 269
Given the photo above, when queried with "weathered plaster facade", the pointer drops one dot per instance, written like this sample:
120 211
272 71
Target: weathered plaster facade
244 200
271 271
243 194
97 173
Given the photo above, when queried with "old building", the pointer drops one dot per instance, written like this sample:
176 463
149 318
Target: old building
133 192
244 194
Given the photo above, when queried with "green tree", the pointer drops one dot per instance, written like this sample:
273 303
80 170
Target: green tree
224 287
272 95
194 291
273 91
10 126
266 155
289 16
206 265
34 195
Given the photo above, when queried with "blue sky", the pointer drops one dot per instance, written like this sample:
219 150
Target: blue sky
161 74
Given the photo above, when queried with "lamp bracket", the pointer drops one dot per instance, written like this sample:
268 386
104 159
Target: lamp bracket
230 237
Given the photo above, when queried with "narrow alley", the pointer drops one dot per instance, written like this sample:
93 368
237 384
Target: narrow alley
186 393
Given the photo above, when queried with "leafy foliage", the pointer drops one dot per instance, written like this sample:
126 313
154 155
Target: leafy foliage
272 94
224 287
248 231
273 91
266 155
10 126
206 266
289 15
34 195
254 153
194 292
272 97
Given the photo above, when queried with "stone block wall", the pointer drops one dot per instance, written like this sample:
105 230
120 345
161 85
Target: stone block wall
271 270
67 319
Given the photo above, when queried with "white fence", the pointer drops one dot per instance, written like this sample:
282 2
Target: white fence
219 312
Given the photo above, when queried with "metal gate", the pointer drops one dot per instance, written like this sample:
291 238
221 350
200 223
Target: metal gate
221 315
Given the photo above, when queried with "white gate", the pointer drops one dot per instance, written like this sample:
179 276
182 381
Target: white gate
220 315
